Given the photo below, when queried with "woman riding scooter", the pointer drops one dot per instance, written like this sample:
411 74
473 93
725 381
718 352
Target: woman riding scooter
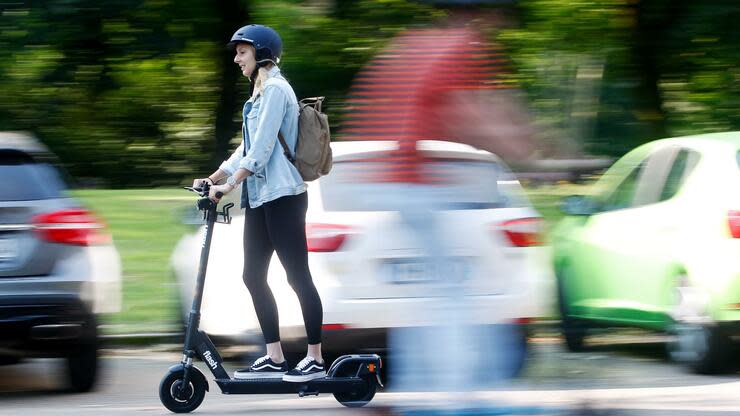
275 201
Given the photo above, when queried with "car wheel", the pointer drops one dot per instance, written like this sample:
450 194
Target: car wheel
574 330
83 363
82 368
696 340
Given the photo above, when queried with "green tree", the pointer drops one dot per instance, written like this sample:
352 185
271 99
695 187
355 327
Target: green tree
616 73
144 92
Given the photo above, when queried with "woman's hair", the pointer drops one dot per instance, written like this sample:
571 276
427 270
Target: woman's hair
262 75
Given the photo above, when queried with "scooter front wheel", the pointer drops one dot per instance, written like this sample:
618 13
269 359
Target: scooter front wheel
181 398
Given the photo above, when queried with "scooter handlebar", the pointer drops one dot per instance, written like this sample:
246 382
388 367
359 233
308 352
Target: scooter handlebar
203 190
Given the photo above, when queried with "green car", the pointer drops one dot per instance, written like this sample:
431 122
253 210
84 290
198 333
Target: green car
656 244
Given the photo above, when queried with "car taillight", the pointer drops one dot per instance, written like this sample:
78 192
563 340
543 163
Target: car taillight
70 226
523 232
322 238
333 327
733 219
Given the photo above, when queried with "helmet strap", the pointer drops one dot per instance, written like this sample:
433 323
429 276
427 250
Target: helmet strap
253 76
252 79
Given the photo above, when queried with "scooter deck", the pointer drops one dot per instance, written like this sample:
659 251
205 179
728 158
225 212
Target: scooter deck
278 386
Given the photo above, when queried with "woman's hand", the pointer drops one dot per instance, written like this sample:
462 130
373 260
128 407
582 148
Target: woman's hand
197 183
223 189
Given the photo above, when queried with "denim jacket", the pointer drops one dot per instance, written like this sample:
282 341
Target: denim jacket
273 174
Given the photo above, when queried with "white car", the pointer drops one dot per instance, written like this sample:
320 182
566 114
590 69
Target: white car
371 270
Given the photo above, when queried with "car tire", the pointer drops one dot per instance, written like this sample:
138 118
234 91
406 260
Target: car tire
574 330
696 341
703 348
83 362
82 368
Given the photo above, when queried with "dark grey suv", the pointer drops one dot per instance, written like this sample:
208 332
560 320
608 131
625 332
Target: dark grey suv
58 267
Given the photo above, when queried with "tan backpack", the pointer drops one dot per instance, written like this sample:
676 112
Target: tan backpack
313 151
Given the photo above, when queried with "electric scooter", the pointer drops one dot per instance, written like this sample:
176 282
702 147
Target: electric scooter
353 379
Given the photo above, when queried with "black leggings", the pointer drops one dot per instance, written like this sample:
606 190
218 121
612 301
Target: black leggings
280 226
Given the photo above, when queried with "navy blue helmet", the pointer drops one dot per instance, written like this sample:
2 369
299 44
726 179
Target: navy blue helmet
265 40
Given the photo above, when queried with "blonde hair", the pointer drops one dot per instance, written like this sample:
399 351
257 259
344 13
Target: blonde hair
262 76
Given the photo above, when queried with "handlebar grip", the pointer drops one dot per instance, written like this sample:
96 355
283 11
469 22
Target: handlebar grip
219 195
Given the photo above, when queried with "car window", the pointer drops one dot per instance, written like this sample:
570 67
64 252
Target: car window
624 194
681 168
468 185
25 180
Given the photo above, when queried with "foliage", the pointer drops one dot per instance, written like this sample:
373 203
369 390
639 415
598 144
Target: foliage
143 92
612 74
127 92
116 90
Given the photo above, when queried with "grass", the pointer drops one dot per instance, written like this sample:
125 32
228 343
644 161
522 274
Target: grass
145 225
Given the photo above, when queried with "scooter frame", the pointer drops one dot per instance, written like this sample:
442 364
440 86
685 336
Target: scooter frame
352 379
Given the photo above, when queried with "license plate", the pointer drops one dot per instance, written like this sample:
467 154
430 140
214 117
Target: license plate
409 271
8 249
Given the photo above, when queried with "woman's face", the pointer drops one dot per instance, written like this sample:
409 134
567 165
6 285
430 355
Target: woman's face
245 58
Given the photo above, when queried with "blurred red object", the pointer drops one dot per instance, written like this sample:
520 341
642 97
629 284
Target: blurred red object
435 84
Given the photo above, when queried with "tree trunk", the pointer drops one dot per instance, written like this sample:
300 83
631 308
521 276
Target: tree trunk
233 15
654 18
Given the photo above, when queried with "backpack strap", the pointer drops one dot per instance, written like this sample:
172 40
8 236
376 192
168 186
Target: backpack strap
286 151
314 102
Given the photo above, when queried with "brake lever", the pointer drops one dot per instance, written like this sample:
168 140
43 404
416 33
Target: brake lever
205 203
200 190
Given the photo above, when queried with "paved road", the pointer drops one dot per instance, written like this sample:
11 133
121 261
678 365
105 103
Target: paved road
621 375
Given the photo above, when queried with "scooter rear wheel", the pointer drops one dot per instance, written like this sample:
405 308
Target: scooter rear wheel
178 398
358 398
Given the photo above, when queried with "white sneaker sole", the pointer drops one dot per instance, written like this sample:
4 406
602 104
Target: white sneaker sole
304 378
259 375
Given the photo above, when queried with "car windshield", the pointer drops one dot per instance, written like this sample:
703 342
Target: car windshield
468 184
26 180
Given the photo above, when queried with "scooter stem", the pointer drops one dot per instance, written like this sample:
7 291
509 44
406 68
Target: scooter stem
210 214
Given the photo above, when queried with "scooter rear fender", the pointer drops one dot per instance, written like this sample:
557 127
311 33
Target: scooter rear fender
357 365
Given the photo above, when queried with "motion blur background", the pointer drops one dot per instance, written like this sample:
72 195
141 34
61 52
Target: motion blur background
137 97
143 93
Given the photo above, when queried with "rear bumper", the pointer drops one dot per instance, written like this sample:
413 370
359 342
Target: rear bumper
430 311
44 325
363 340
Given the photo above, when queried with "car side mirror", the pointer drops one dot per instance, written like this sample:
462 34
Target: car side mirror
578 205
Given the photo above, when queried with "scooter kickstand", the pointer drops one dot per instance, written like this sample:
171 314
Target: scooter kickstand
304 391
